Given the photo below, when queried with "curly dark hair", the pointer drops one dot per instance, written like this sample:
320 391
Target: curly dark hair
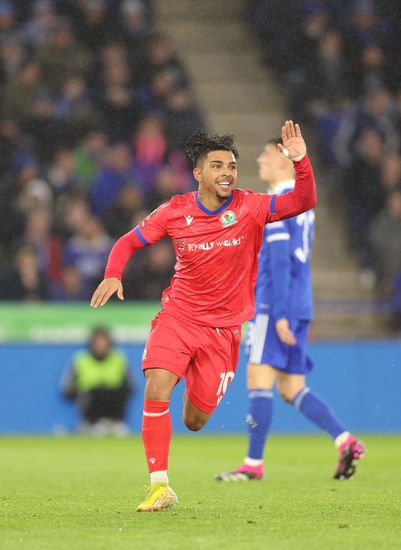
202 142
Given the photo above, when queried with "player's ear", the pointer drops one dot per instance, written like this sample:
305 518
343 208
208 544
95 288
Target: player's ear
284 162
197 174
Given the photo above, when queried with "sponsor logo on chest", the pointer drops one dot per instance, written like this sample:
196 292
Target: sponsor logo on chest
211 245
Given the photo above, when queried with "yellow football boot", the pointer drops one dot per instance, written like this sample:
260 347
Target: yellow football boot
159 497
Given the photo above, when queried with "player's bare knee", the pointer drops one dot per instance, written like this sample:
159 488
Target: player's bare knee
260 376
194 424
286 396
156 389
286 393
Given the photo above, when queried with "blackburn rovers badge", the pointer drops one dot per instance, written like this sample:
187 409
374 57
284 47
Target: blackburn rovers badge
228 218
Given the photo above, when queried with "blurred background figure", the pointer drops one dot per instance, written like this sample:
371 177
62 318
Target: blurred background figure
22 280
98 381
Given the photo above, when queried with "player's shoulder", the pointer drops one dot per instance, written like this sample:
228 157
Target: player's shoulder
174 204
246 195
249 199
182 201
241 193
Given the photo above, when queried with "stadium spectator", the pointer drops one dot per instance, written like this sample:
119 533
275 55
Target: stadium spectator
390 177
62 175
37 30
150 148
70 287
21 91
119 218
182 116
88 155
38 234
363 194
87 250
22 280
99 383
386 242
116 100
134 30
161 57
148 276
63 57
94 24
118 171
7 20
168 183
12 57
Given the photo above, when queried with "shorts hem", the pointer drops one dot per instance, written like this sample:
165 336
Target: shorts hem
201 406
169 368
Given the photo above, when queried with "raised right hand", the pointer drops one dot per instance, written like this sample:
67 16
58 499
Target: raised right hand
105 290
294 146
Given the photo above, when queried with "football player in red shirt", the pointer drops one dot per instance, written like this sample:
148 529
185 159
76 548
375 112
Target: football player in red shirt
216 233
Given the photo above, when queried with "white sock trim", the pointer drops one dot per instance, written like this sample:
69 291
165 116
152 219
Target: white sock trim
342 438
155 414
297 401
253 461
159 477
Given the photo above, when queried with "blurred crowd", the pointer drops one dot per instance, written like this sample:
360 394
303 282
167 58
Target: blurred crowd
95 109
339 64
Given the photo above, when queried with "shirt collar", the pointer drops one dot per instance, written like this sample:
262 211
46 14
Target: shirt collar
218 210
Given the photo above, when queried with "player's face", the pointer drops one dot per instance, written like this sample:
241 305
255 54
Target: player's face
217 175
269 162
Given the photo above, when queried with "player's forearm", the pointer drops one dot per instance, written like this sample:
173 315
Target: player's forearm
121 252
303 197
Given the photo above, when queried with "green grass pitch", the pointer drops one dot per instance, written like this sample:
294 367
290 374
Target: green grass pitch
78 493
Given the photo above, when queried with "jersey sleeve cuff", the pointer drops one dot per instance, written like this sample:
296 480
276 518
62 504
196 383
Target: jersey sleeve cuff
112 275
303 161
141 237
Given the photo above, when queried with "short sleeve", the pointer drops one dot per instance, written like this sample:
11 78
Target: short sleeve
153 228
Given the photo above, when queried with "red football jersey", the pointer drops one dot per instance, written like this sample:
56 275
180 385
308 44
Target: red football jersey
217 251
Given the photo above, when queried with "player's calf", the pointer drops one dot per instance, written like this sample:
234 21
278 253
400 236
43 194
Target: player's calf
194 424
194 419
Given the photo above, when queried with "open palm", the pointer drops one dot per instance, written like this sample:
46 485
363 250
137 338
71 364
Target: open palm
293 142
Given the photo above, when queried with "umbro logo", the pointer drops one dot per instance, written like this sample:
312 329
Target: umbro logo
189 219
152 460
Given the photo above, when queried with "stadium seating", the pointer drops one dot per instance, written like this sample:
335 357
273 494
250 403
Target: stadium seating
96 107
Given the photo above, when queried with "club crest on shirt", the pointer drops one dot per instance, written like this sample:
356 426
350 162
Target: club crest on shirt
228 218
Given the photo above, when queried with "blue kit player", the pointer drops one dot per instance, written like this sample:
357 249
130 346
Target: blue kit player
278 334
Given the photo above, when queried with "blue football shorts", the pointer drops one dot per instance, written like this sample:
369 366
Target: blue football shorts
263 345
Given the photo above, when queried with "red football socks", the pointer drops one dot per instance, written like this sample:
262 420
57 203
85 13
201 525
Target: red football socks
156 434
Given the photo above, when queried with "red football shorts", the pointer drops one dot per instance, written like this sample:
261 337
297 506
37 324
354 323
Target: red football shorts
206 357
